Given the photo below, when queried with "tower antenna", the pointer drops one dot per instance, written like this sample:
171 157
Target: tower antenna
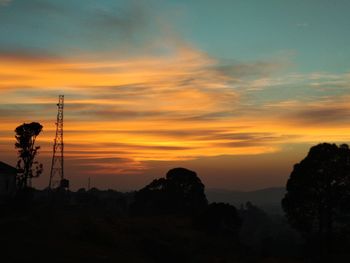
57 180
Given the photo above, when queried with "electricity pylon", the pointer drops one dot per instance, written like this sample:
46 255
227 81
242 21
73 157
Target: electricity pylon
57 179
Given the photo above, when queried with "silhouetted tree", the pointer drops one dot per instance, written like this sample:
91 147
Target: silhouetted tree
256 230
256 222
27 167
186 189
180 192
219 218
318 191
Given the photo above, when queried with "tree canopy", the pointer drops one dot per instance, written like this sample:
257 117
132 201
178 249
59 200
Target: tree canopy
220 218
318 190
180 192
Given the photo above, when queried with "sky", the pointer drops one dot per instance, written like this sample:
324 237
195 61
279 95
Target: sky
236 90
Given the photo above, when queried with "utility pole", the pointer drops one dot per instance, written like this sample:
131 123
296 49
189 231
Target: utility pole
57 179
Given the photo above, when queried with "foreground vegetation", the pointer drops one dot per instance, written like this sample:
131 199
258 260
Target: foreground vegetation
171 220
96 226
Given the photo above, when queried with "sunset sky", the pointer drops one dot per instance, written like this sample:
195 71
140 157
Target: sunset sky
237 90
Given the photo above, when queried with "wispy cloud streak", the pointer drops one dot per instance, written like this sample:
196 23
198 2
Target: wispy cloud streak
177 106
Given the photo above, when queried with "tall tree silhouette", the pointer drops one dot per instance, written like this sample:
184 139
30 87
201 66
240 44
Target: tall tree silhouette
318 191
27 166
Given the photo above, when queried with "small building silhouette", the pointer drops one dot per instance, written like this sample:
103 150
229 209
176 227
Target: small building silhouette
7 179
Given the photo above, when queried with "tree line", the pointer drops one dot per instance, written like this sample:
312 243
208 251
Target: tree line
316 203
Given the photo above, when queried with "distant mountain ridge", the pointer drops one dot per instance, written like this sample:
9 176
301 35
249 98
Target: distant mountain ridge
268 199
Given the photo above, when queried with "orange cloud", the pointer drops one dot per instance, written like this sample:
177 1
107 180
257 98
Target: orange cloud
178 106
